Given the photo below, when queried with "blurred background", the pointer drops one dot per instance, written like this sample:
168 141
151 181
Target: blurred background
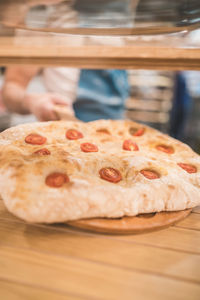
154 100
166 100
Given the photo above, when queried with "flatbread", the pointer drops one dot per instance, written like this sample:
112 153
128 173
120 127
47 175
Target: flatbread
134 169
65 113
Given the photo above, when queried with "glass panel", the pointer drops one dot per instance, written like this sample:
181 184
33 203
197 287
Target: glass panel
127 17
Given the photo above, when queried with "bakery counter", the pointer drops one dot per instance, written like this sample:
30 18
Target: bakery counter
59 262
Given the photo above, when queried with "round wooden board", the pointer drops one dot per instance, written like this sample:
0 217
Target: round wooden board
129 225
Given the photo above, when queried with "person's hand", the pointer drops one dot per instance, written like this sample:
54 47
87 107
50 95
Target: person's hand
43 105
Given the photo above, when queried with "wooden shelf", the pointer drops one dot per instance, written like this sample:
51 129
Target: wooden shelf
59 52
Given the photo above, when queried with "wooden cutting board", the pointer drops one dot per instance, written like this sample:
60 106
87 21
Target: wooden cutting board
128 225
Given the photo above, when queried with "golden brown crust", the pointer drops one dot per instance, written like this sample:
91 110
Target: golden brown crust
23 172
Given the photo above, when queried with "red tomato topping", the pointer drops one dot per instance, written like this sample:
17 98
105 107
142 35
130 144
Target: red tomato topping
88 147
43 151
130 146
56 180
188 168
149 174
73 134
136 131
35 139
166 149
110 174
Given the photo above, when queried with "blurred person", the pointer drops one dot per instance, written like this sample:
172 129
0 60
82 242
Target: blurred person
100 94
91 94
181 109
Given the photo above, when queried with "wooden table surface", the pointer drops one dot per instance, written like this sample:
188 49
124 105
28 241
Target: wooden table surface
58 262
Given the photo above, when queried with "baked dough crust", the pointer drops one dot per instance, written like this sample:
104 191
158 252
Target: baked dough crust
26 195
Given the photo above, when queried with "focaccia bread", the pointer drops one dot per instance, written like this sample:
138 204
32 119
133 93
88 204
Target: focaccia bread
60 171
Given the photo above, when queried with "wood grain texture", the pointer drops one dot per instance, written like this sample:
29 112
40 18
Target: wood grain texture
45 51
192 222
10 290
196 210
102 250
174 238
89 279
57 262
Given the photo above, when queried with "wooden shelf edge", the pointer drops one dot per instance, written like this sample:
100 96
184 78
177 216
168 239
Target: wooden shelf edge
106 63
